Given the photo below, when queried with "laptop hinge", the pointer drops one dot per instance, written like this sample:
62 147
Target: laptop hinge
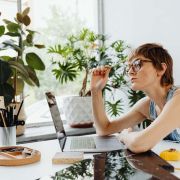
64 144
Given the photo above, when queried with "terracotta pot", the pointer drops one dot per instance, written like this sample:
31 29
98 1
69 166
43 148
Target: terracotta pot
78 111
22 116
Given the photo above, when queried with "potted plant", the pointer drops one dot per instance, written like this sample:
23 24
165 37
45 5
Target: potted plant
82 53
6 89
24 65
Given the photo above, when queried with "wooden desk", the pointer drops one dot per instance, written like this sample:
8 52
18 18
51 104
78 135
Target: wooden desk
45 167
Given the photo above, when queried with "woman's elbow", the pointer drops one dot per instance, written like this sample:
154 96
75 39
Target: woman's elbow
101 133
138 147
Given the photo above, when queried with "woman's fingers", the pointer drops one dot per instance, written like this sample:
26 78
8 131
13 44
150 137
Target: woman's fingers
94 71
107 66
100 70
130 129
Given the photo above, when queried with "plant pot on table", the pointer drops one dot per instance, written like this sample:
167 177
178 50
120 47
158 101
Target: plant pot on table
78 111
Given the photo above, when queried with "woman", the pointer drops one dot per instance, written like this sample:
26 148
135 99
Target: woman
150 70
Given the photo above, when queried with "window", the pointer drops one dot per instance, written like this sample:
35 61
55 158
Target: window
54 20
6 7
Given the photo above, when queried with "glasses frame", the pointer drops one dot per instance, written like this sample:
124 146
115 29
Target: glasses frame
133 66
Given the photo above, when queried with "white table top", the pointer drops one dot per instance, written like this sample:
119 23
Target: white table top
45 167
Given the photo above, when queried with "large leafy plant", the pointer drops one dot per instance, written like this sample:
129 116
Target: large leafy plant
24 65
82 53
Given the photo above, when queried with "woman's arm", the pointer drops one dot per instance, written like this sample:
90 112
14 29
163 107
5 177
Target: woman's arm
165 123
103 125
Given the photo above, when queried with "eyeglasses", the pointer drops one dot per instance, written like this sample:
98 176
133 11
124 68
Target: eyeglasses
136 66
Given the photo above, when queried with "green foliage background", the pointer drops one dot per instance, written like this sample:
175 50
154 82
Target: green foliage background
57 27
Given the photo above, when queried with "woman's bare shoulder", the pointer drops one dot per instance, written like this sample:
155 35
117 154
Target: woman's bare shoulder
144 101
143 106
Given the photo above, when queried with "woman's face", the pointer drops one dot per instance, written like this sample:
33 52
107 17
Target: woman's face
146 76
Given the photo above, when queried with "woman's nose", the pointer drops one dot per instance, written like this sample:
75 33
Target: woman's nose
131 70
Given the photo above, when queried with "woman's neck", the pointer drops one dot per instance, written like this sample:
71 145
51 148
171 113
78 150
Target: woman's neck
158 95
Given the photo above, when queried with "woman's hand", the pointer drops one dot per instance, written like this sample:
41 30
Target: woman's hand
124 133
99 77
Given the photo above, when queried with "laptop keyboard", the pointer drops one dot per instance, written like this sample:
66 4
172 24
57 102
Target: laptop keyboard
83 143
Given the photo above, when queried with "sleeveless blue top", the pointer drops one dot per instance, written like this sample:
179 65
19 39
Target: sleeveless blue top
174 135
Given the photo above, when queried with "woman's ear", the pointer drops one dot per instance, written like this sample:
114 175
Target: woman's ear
161 72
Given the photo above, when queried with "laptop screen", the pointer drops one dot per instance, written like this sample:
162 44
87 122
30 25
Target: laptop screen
61 135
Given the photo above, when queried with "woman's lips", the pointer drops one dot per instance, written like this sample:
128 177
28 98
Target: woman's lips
132 79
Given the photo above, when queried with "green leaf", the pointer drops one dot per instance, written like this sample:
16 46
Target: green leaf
82 34
29 38
135 96
57 49
30 69
2 30
13 73
7 21
93 37
20 68
104 37
107 87
19 17
5 71
114 109
8 44
13 34
104 59
7 91
19 60
26 20
145 123
16 20
6 58
25 43
13 27
39 46
31 31
19 87
34 60
32 76
65 72
92 62
26 11
80 59
117 79
119 46
13 40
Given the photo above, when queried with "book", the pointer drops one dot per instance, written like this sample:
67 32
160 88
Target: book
67 157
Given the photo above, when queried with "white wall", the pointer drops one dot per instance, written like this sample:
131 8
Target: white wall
145 21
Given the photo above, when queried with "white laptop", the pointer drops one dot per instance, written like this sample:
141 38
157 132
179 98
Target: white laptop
79 143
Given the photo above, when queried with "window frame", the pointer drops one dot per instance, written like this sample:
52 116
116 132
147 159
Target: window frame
100 24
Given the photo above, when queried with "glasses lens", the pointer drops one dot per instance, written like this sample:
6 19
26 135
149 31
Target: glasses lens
136 65
126 70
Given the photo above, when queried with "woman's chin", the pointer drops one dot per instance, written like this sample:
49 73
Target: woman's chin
134 87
